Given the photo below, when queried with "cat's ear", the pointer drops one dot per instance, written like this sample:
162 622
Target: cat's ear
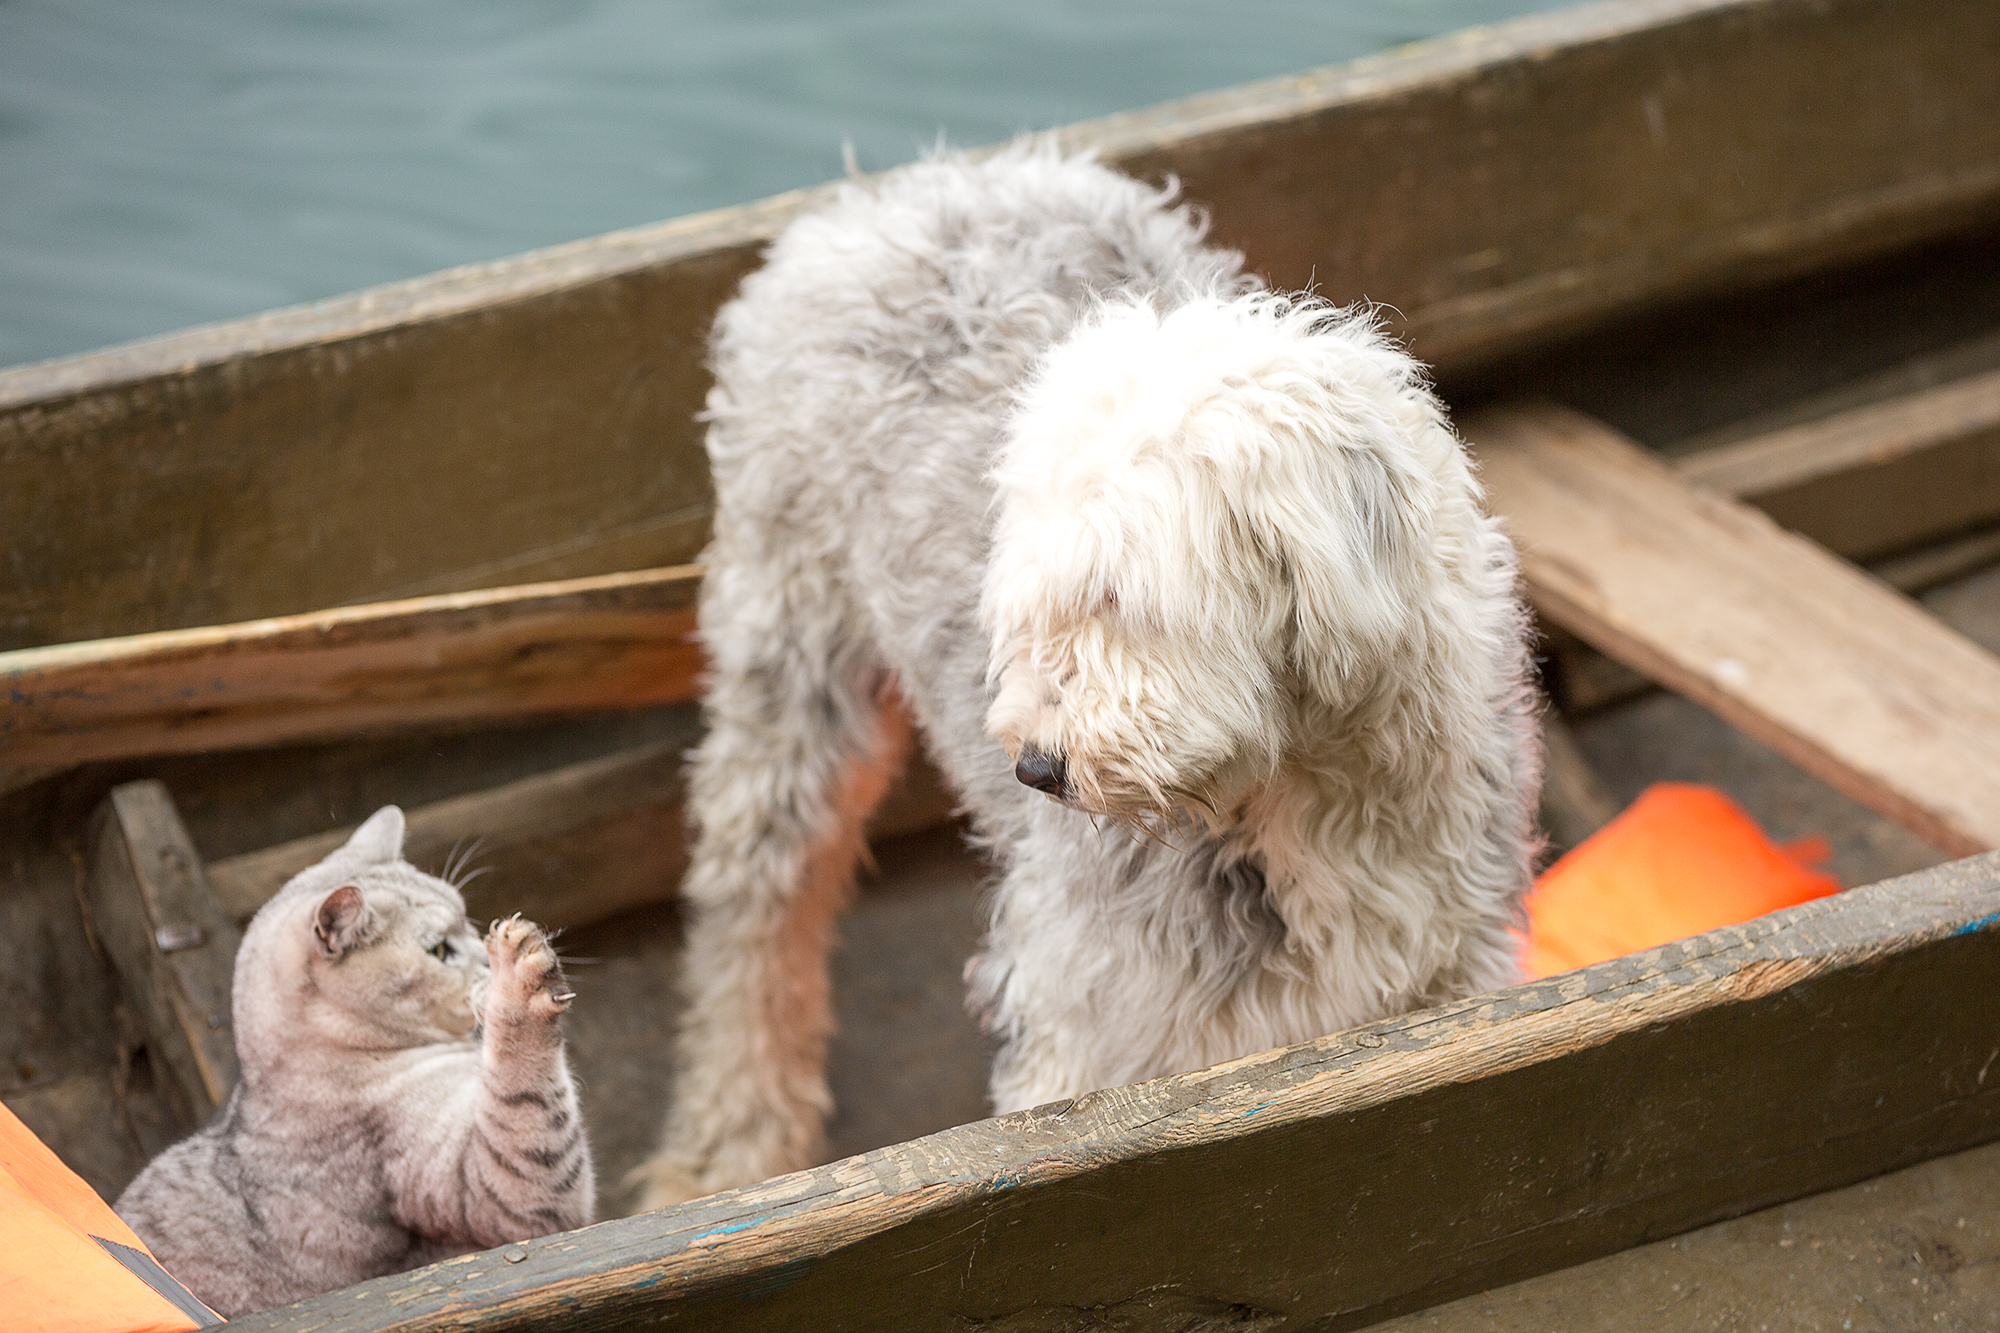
339 921
380 839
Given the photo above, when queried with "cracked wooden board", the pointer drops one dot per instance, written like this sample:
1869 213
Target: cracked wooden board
611 641
1834 670
1342 1181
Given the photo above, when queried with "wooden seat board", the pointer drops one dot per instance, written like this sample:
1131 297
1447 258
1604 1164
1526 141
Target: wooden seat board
1832 668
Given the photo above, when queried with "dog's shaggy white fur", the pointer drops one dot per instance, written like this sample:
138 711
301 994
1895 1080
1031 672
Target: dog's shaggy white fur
1204 564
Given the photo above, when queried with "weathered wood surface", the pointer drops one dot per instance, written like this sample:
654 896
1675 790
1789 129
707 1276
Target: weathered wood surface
1583 679
613 641
534 418
568 846
1339 1182
1910 318
1874 479
564 848
173 947
1827 666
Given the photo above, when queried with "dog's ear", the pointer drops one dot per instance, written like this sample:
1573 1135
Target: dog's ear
1355 551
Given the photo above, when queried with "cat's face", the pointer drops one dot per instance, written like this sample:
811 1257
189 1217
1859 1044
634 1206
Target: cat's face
394 946
380 954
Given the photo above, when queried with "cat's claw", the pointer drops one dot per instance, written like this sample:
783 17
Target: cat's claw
527 978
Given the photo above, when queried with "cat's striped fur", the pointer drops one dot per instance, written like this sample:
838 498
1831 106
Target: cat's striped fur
404 1093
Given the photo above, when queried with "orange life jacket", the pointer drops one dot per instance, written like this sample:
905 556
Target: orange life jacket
1680 860
67 1263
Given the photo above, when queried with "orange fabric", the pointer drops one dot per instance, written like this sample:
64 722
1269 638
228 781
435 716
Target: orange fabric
53 1277
1680 860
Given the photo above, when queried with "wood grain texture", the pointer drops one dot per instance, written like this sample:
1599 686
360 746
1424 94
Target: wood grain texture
1868 480
1335 1183
613 641
1856 310
1831 668
563 848
534 418
1875 479
172 945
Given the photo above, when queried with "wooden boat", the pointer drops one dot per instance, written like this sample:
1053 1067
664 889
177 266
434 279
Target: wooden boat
262 575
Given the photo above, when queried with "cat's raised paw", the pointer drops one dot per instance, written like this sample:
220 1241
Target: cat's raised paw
527 978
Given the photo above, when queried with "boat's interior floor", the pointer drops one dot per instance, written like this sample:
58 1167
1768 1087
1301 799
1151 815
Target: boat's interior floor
909 1060
1917 1248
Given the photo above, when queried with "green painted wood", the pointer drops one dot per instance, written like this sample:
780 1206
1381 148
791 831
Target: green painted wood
1342 1181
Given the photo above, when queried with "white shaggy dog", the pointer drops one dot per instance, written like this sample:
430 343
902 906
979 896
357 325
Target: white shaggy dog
1203 564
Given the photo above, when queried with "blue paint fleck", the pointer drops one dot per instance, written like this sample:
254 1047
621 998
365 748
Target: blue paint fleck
728 1230
1983 923
1255 1109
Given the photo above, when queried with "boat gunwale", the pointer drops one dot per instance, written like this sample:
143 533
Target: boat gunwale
727 1253
482 286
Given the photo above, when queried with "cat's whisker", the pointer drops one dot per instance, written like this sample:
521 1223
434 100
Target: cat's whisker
469 876
386 953
456 872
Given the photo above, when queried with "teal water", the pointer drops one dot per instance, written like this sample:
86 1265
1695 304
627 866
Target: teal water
168 162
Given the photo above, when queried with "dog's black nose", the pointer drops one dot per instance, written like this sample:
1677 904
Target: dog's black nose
1041 770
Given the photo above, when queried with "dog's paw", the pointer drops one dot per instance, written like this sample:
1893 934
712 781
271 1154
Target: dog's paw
527 980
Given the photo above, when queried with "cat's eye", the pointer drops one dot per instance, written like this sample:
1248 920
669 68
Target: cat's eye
441 951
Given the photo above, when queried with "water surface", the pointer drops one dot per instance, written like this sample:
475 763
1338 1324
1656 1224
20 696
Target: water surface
169 162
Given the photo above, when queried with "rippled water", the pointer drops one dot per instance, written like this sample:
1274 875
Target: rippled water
167 162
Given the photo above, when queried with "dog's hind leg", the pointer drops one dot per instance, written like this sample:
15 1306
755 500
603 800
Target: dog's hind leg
799 750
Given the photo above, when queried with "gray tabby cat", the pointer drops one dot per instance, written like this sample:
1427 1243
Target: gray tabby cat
373 1130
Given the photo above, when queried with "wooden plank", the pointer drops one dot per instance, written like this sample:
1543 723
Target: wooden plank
561 848
535 418
565 848
614 641
1827 666
1339 1182
73 1052
171 944
1582 679
1919 571
1872 478
1963 359
1875 479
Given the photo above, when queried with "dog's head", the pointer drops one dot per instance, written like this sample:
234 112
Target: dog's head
1204 518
